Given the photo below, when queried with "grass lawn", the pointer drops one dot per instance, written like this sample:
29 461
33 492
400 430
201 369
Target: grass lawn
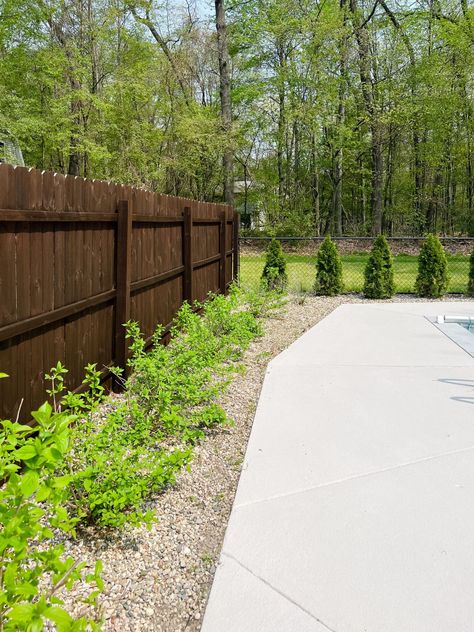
301 271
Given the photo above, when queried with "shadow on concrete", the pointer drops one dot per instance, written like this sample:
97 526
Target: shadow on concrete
459 382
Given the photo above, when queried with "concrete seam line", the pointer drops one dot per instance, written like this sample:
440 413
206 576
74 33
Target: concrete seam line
355 477
289 367
278 591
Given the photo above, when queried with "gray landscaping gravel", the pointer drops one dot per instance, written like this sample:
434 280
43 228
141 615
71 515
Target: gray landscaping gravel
159 579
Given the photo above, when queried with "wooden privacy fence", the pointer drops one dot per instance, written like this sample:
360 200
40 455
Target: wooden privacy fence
78 258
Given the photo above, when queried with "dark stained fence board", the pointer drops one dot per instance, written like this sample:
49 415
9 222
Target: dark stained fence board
67 284
188 255
222 253
123 275
235 242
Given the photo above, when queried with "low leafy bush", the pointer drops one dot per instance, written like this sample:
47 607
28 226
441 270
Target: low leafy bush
117 465
470 284
328 269
378 273
432 279
33 570
114 462
169 403
274 276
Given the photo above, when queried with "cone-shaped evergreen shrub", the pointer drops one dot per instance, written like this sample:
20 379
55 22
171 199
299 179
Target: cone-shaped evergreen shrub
274 275
470 284
378 272
432 279
328 269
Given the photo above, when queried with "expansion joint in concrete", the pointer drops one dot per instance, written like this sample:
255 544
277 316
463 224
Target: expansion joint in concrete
383 470
278 591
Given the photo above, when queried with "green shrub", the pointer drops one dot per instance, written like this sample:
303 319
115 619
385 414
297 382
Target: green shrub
328 269
33 570
169 404
378 273
470 285
118 464
274 275
432 279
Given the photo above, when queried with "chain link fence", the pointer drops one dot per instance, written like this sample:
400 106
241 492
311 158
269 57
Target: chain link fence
300 254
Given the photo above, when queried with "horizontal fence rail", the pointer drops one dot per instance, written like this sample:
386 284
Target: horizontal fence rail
79 258
301 254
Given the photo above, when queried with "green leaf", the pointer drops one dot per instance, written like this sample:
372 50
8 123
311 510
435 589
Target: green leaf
59 616
26 590
21 612
29 482
43 492
10 576
26 452
11 467
43 414
60 482
3 375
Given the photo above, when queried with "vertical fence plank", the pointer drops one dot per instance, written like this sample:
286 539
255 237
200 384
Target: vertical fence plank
235 246
8 259
223 252
8 292
123 263
188 254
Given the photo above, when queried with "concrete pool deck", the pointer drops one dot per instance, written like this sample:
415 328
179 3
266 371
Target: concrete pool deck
355 506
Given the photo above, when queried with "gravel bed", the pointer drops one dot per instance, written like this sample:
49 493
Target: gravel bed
159 579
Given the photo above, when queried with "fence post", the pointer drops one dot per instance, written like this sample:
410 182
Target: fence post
223 253
188 254
235 249
123 277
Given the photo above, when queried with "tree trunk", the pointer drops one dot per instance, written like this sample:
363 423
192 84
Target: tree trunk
226 102
315 187
388 193
337 193
418 171
377 177
368 85
281 141
340 122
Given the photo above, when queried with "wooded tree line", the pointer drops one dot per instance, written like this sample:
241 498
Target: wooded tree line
340 116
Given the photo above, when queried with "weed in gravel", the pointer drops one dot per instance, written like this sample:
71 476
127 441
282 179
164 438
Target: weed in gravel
207 559
237 463
264 356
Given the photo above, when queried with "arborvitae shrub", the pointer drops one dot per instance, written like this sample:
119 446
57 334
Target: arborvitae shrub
274 275
470 285
432 279
378 272
328 269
